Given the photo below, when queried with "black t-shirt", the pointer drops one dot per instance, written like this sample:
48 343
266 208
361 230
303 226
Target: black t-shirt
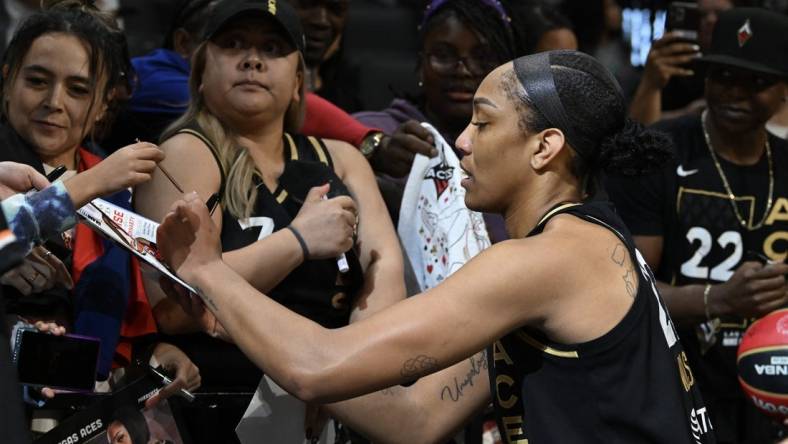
704 242
631 385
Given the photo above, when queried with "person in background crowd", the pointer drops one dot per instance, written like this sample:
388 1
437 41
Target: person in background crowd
34 217
239 140
711 224
328 73
578 347
540 27
161 94
462 41
59 75
669 82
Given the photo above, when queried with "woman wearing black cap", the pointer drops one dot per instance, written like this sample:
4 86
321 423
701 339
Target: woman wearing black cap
289 224
579 345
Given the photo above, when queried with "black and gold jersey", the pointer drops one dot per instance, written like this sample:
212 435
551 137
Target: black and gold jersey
704 240
315 289
631 385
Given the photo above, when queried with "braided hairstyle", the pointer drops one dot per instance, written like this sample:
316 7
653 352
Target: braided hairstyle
610 142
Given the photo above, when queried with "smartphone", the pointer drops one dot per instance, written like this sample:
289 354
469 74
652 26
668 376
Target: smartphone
67 362
683 19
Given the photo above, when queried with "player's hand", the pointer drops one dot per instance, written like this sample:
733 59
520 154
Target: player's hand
327 226
18 178
187 237
193 306
396 152
667 58
754 290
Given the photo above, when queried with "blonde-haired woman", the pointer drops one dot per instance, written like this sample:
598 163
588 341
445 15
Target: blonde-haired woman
237 140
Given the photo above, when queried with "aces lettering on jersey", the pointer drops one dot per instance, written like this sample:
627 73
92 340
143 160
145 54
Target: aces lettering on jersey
505 390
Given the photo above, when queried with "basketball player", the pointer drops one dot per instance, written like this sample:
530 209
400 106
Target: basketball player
562 326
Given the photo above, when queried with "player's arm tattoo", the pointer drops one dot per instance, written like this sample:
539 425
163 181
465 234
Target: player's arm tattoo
456 389
619 257
206 299
419 366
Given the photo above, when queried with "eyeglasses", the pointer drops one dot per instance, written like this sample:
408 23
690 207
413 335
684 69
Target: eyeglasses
446 62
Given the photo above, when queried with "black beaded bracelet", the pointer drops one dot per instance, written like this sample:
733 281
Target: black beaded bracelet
300 240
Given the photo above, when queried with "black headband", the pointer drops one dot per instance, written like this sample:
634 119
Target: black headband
536 77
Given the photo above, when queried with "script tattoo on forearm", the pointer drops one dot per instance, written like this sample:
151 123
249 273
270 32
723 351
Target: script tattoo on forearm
455 390
419 366
206 299
619 257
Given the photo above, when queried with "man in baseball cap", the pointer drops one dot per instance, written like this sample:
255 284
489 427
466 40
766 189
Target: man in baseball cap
725 195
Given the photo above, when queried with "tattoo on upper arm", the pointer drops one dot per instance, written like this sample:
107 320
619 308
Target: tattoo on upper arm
419 366
619 257
456 389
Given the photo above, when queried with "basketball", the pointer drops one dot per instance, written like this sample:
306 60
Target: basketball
762 361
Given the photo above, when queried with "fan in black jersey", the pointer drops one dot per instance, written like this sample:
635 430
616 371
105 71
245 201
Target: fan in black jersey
579 347
301 218
711 222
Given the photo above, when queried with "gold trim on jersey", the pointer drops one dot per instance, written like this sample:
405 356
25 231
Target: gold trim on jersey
723 196
555 210
761 349
528 339
321 153
291 144
194 133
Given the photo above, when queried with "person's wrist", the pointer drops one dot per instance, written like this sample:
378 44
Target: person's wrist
201 275
82 188
371 144
713 302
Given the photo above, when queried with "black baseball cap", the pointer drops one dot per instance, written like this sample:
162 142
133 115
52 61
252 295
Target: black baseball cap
281 11
755 39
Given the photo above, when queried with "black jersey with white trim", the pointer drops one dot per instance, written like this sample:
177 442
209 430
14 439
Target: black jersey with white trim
631 385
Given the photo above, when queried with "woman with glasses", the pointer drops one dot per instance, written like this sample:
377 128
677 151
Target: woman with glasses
462 41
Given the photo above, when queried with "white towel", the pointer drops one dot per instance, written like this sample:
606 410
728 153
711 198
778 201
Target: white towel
439 233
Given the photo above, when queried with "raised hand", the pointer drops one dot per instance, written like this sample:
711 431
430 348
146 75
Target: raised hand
127 167
18 178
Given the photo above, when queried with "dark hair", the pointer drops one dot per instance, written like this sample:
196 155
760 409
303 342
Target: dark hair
588 21
532 21
190 15
134 422
610 141
483 20
108 60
